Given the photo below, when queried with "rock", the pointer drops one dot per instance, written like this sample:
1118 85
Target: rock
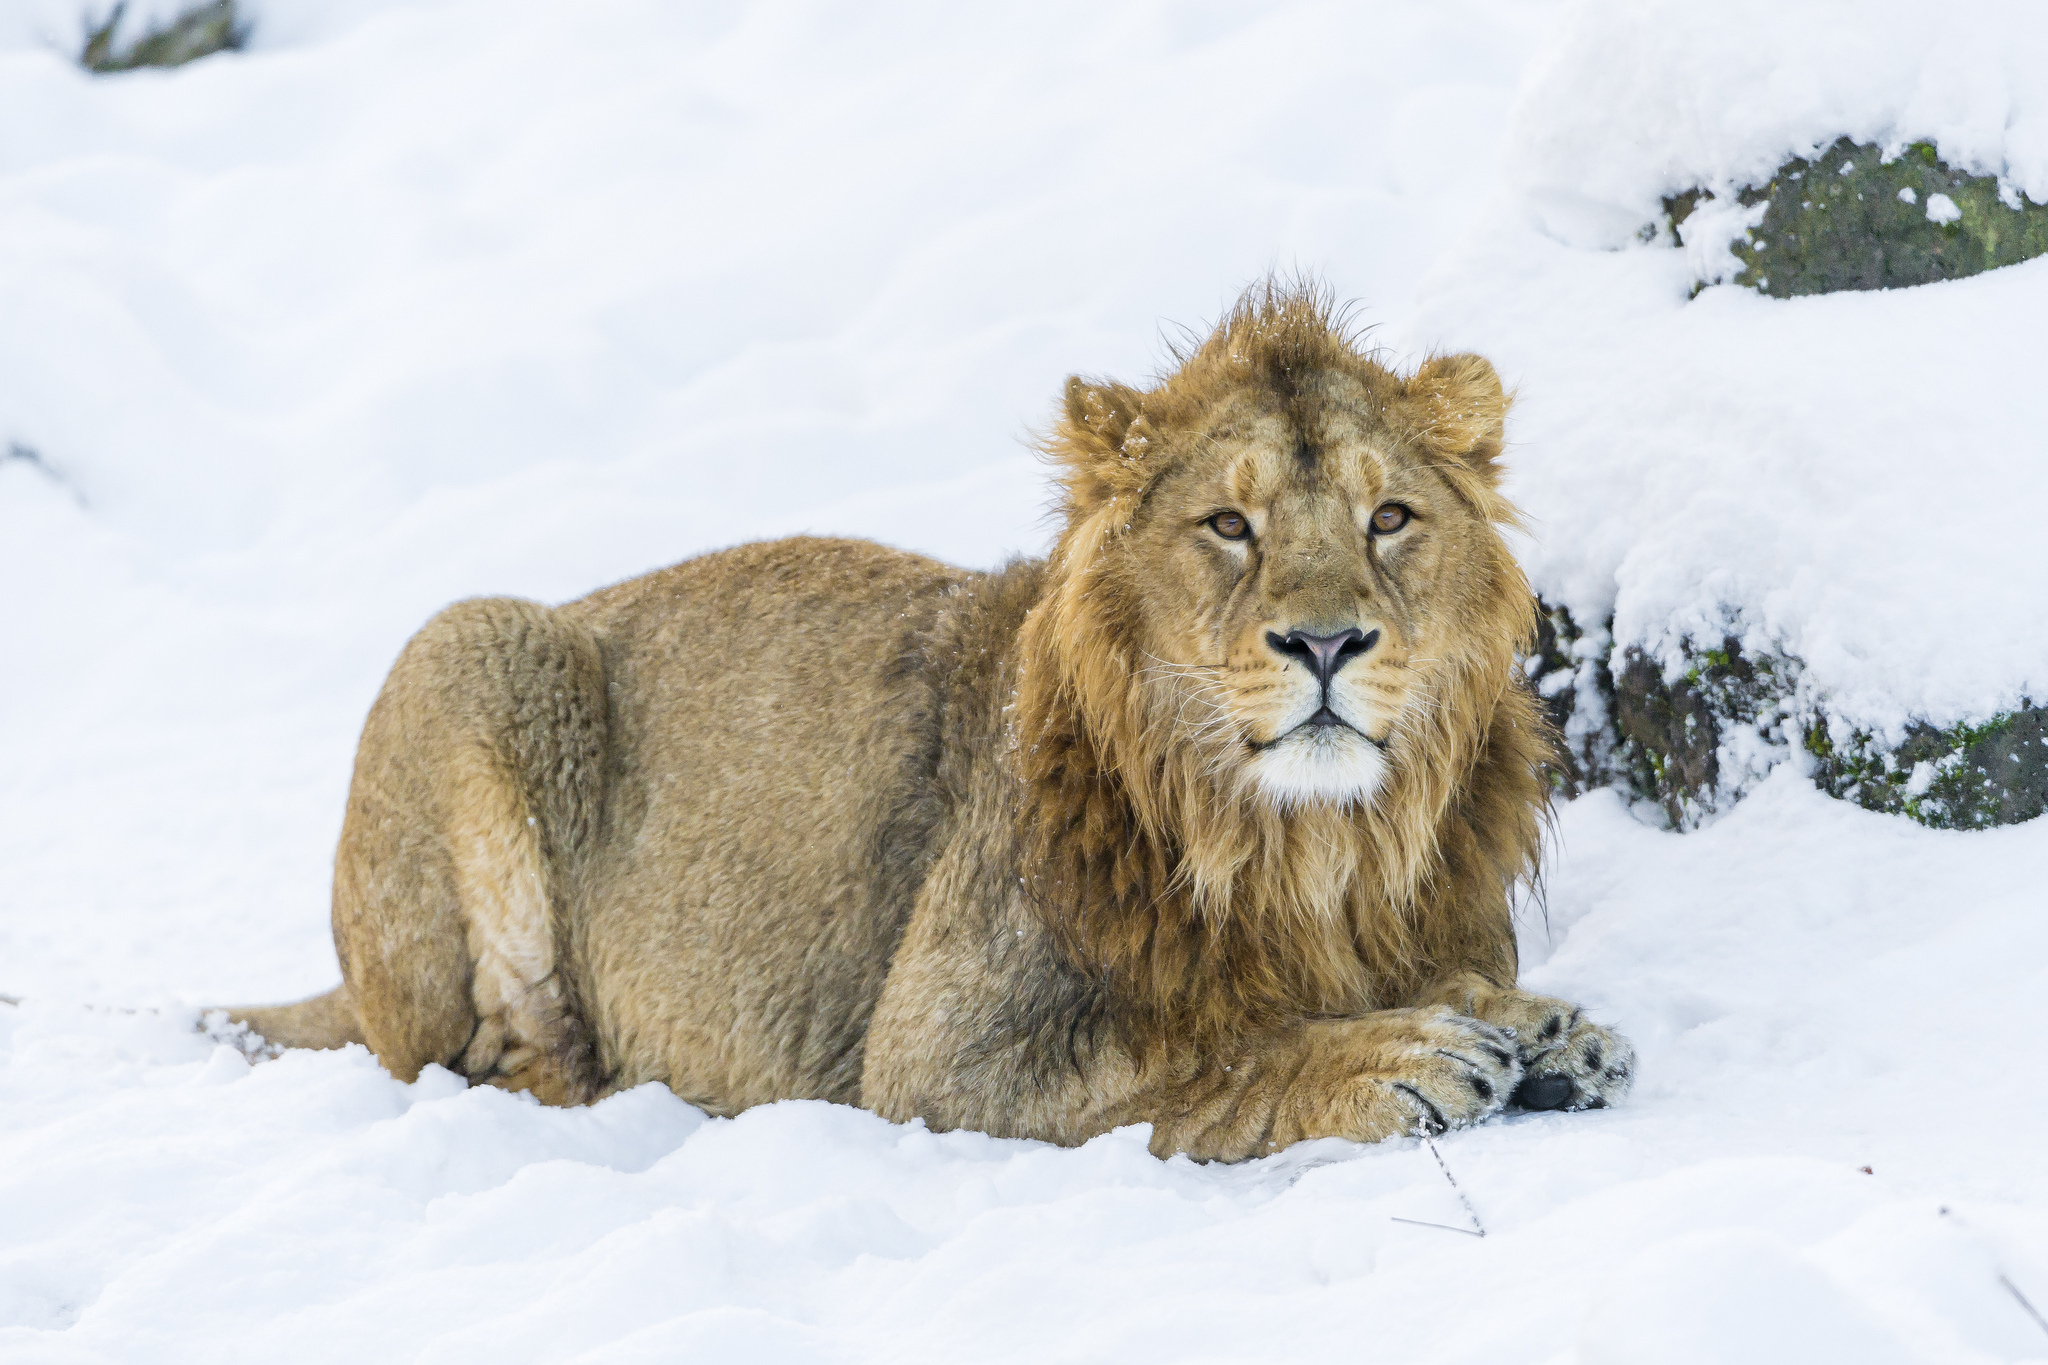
1666 740
1694 742
1569 673
1964 777
1850 219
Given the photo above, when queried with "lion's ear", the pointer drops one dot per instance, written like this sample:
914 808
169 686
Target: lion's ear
1100 413
1462 410
1099 441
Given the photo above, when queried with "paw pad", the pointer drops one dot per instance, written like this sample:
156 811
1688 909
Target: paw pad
1546 1091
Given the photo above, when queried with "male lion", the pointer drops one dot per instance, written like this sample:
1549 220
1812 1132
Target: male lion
1208 821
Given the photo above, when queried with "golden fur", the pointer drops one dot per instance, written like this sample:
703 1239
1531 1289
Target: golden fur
1215 903
1098 840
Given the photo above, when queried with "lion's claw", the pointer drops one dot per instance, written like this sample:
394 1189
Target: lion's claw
1463 1072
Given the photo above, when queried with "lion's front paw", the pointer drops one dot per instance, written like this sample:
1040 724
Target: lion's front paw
1461 1070
1405 1072
1568 1061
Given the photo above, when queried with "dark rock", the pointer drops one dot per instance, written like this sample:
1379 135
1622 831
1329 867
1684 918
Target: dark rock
1625 724
1664 740
1964 777
1837 221
1670 740
1568 673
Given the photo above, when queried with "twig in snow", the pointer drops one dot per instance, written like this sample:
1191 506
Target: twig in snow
2003 1278
1417 1222
1478 1229
197 32
2032 1311
1470 1212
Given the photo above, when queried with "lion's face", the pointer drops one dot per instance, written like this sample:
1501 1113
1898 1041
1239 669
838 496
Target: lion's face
1302 558
1303 576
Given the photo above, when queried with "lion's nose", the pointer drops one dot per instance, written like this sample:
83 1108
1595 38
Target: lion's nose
1324 654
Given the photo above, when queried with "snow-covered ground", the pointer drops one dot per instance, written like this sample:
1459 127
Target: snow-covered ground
416 301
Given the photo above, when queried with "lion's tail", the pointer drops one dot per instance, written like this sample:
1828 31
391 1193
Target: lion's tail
324 1021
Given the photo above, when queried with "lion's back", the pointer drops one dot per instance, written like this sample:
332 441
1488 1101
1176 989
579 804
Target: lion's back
769 805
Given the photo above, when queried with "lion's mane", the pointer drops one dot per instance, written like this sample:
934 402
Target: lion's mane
1217 909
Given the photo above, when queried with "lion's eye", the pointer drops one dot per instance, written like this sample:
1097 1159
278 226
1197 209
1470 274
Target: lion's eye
1230 526
1390 518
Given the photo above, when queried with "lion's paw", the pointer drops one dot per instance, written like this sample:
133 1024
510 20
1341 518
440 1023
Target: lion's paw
1450 1071
1568 1061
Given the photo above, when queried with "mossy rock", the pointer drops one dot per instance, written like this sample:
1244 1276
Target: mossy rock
1666 740
1669 731
1849 218
1963 777
1569 675
198 32
1659 739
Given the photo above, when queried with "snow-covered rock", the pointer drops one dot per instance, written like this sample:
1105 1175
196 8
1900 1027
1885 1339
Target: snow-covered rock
1842 483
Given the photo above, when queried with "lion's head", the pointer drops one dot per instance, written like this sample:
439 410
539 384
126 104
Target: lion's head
1265 687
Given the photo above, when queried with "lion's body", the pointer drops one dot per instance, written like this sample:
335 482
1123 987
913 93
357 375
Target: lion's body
820 819
779 871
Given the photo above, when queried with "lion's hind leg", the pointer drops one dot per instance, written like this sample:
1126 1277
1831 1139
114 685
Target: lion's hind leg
477 789
529 1035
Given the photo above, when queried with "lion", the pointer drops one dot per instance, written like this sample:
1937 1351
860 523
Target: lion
1211 820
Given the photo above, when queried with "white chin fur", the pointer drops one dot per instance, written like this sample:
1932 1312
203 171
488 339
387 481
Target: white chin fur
1327 765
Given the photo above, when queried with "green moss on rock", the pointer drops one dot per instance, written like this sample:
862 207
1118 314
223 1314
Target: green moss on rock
1961 777
1849 218
1670 731
1667 740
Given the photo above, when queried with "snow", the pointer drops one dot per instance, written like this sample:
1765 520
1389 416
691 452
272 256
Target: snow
1632 100
1840 479
416 301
